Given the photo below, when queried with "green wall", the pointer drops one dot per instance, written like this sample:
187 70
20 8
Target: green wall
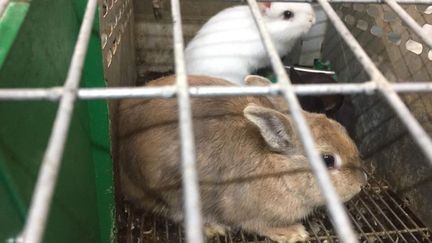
38 55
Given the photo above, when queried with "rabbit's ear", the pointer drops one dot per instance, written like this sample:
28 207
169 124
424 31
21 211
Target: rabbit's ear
264 5
278 102
274 127
256 80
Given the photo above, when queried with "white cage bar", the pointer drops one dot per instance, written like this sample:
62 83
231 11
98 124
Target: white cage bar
170 91
42 195
343 1
191 197
3 5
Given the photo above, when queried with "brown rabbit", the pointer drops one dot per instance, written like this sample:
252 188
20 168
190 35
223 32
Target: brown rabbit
253 171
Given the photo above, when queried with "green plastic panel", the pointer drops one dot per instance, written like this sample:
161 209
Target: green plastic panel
36 52
10 23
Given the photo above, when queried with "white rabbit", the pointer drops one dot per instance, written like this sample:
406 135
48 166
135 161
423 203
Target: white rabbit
229 46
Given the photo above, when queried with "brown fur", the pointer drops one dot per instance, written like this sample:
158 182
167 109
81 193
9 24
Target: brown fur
245 180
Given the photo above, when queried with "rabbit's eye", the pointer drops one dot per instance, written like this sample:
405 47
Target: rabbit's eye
329 160
287 14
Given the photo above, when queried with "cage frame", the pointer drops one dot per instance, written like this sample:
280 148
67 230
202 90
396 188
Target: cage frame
67 95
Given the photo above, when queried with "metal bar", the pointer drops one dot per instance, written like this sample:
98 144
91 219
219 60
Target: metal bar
407 215
130 225
384 215
315 235
373 200
328 235
345 1
256 238
158 229
217 239
46 182
410 22
170 91
142 225
361 214
337 211
242 236
167 234
384 234
180 234
310 70
155 236
391 211
415 129
230 237
375 219
3 5
358 227
226 236
191 197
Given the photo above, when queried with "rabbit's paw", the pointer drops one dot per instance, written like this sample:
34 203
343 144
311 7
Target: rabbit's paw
212 230
290 234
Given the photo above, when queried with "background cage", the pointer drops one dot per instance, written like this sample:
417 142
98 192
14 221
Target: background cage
130 41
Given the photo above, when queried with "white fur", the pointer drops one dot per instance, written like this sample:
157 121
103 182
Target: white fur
229 46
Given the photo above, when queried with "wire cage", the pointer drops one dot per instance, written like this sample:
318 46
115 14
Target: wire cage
383 60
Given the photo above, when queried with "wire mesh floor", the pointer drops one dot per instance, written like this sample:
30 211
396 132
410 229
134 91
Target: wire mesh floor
377 214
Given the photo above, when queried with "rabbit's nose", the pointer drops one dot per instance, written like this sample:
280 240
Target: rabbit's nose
364 178
361 176
312 20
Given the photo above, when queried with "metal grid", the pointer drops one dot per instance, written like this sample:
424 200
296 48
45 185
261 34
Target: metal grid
376 213
46 182
116 27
